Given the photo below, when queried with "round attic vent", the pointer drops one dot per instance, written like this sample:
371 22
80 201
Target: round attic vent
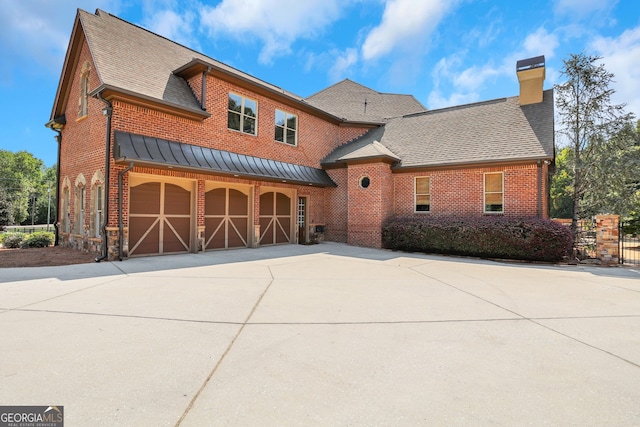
365 182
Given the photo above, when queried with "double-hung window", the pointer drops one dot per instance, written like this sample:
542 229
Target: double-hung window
286 128
80 193
494 192
422 194
242 114
98 218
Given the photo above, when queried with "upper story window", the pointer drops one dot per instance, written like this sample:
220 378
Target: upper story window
494 192
423 194
286 128
242 114
83 103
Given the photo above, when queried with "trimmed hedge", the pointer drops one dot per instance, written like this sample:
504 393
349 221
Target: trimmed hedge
39 239
530 239
12 240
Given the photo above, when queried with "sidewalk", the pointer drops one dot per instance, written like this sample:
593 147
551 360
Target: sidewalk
322 335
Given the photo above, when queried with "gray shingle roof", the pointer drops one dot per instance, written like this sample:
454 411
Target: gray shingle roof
136 60
493 131
346 99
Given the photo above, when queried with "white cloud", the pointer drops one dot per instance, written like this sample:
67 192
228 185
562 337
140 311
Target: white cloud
173 26
343 63
39 30
405 24
582 8
541 42
465 85
437 100
621 56
274 23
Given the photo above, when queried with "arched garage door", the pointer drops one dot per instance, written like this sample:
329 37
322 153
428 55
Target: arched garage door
226 218
160 219
276 218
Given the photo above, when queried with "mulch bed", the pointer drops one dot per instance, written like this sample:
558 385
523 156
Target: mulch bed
43 257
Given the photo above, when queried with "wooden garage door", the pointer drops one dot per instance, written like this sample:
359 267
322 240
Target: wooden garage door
275 218
226 218
159 219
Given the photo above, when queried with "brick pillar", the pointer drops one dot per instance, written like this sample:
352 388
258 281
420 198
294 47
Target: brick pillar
607 245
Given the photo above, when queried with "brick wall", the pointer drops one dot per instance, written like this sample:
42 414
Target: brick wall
335 206
460 191
82 151
368 207
350 213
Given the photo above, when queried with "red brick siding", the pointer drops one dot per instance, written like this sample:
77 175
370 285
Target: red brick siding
369 207
82 150
350 213
335 207
460 191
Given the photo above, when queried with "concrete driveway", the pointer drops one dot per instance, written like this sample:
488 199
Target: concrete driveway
322 335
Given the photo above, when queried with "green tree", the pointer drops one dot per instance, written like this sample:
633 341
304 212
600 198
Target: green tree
21 178
561 186
590 125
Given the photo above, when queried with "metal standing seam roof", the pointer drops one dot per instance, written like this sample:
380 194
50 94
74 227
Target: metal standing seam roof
151 151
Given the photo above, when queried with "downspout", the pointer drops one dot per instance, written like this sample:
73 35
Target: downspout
203 97
57 124
120 225
108 111
539 189
58 138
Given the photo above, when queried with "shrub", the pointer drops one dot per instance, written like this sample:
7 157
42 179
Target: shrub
531 239
39 239
12 240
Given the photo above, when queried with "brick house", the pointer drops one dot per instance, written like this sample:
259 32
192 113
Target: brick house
162 149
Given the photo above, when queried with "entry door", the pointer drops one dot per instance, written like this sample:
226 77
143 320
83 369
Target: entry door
159 219
302 220
275 218
226 218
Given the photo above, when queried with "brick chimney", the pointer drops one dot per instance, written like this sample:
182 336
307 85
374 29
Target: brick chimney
531 73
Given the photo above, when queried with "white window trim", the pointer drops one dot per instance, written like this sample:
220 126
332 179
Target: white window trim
242 115
484 193
284 128
415 195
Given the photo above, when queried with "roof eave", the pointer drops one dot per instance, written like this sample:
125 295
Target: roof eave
177 167
484 163
198 66
70 60
361 160
109 92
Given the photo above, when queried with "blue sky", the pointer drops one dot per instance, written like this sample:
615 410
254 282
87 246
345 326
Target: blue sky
444 52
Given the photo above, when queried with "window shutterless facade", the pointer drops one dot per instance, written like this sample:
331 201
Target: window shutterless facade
97 211
422 194
286 128
494 192
83 108
242 114
79 226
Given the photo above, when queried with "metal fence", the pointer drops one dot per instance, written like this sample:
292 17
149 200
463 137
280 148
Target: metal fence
28 229
586 239
629 244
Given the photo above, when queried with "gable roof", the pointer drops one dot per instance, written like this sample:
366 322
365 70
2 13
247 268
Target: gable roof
355 102
493 131
132 60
